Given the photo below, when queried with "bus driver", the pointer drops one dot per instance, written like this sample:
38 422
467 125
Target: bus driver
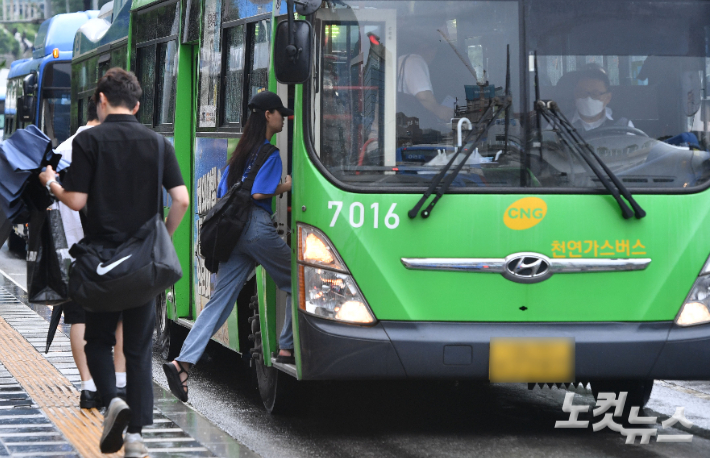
592 94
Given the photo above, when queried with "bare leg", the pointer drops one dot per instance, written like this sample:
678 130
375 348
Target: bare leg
119 359
76 337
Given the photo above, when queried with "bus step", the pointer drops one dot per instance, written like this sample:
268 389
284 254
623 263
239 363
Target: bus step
290 369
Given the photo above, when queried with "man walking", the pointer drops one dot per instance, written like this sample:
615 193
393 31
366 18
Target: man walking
73 313
114 173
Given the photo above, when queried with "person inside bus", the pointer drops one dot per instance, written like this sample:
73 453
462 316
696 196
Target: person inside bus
259 243
73 313
592 94
415 93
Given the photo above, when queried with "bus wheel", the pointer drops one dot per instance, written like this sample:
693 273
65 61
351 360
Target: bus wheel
162 326
169 336
639 391
277 389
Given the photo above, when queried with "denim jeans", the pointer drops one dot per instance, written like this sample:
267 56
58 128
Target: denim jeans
258 244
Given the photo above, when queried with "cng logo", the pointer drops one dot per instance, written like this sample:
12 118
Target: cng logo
525 213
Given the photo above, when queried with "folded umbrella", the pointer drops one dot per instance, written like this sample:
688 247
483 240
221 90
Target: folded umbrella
53 325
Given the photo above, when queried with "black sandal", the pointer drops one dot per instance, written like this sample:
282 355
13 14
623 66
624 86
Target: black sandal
177 386
283 359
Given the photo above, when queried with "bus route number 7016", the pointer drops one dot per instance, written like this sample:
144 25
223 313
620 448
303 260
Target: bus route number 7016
357 214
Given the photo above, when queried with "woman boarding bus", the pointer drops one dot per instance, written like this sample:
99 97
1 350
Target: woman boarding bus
258 244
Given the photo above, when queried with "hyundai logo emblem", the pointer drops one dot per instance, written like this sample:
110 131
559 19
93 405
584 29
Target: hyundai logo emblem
527 268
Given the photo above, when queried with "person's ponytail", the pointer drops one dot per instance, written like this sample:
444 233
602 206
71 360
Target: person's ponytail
253 136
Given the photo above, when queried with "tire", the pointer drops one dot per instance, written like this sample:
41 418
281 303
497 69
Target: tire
639 391
169 336
162 326
280 393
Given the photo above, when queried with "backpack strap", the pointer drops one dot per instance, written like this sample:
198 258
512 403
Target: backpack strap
265 151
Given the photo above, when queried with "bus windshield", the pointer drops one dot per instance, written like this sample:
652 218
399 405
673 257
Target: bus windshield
394 79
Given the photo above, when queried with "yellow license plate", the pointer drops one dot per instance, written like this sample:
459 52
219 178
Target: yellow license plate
524 360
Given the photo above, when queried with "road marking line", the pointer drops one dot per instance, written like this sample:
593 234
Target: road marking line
168 439
24 444
35 434
33 454
147 430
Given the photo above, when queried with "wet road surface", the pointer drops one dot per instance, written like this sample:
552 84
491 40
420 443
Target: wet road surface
422 419
425 419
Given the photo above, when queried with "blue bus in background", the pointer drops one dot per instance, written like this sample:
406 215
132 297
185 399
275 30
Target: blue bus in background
39 90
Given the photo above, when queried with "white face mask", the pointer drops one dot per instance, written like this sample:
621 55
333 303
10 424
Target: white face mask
589 107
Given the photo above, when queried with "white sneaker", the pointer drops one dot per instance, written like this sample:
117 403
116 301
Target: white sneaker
134 447
115 421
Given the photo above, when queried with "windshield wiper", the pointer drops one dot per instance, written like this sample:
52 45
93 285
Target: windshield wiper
574 141
479 128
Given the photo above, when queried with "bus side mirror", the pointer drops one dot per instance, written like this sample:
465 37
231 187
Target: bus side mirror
26 104
292 61
29 84
26 108
292 53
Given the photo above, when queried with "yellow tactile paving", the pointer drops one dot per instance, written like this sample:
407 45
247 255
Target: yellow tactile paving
52 392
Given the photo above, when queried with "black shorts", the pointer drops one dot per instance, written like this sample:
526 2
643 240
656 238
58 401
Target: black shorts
73 313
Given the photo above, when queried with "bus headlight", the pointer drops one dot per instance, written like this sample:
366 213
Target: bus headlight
696 308
326 288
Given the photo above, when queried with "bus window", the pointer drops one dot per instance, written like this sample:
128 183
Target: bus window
119 56
162 20
233 75
80 112
638 100
59 76
259 37
210 67
103 68
146 76
393 75
166 80
191 28
155 32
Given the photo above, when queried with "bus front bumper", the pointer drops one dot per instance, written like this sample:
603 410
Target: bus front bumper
439 350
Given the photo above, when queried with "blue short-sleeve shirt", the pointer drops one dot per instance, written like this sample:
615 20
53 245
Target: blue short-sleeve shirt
266 181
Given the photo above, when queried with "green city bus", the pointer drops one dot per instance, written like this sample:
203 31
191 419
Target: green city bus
513 190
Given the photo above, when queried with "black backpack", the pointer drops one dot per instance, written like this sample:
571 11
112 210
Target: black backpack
224 223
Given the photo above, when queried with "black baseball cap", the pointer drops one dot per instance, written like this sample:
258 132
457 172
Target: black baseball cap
268 101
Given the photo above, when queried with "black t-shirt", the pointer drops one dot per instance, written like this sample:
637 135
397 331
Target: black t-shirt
116 164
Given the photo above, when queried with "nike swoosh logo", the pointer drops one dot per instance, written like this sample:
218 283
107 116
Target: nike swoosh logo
102 270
